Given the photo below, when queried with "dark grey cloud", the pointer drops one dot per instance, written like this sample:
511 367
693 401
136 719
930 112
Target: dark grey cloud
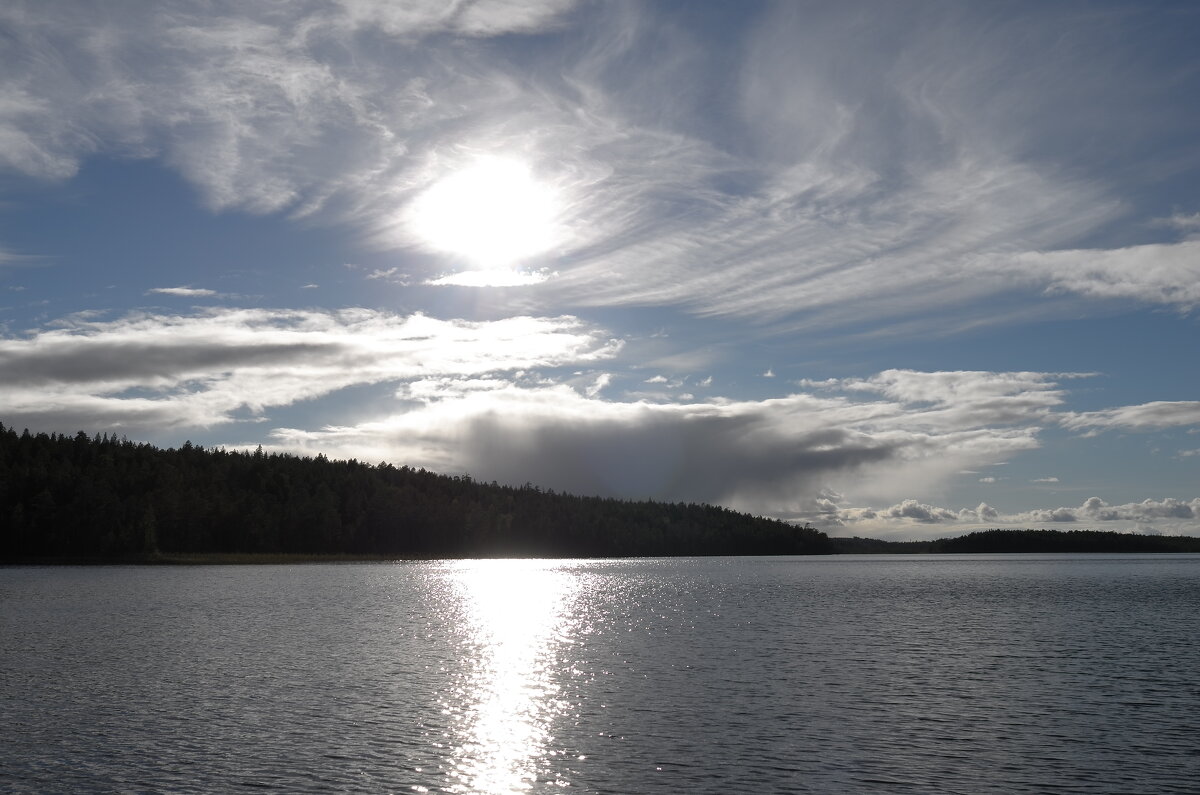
920 512
779 456
102 361
669 456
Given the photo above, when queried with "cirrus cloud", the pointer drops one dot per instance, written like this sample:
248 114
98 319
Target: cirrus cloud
830 208
1146 416
183 292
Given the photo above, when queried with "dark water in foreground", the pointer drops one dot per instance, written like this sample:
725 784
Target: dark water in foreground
850 674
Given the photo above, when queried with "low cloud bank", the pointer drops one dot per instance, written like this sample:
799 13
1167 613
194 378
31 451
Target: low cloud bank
524 399
910 517
150 372
770 456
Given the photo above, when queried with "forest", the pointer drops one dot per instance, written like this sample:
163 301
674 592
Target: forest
1041 541
103 498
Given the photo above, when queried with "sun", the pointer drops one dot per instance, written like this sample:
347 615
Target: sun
493 212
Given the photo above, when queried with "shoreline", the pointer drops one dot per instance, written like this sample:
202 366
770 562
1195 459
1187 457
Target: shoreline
296 558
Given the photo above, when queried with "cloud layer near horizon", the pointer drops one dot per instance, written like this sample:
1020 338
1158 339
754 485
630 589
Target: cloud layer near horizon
148 372
1167 515
535 399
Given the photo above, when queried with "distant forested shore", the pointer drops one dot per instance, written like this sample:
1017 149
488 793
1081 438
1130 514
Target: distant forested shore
102 498
1043 541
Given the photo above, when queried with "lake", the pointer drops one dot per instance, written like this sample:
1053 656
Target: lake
889 674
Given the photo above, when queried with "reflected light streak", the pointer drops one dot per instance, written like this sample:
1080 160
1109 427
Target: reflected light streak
517 610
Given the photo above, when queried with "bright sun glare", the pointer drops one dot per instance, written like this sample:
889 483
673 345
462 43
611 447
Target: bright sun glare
493 212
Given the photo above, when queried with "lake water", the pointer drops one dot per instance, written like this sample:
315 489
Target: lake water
969 674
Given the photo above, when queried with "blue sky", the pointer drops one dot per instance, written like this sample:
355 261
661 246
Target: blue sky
898 269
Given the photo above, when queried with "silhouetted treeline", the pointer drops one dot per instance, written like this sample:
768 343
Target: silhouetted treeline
1024 541
1059 541
874 546
103 497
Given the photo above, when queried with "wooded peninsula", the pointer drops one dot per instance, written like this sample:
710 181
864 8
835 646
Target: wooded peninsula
104 498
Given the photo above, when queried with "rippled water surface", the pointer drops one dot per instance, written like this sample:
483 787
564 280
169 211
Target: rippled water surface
847 674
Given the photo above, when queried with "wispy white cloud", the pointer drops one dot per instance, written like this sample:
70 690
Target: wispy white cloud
1182 221
484 18
597 386
1044 480
386 273
886 188
1146 416
262 109
497 277
1167 274
168 371
965 397
184 292
10 259
918 200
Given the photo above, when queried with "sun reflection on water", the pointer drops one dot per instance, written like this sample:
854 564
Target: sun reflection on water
516 613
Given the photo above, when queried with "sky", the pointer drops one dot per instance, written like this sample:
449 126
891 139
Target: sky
897 269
